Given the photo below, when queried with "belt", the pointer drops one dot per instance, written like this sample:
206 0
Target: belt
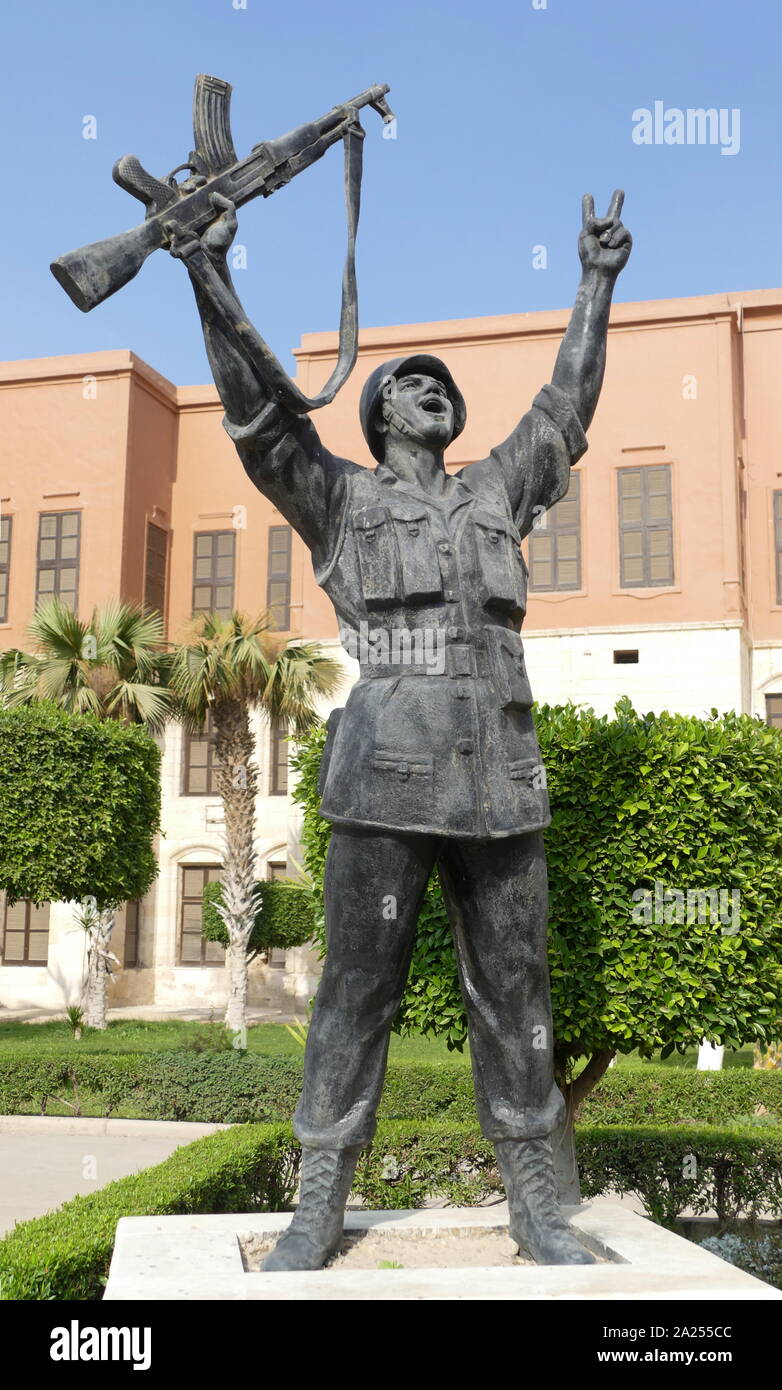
455 661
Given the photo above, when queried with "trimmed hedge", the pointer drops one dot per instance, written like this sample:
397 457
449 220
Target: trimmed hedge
66 1254
670 1096
733 1172
285 918
238 1088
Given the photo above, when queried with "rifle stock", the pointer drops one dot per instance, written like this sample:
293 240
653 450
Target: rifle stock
92 273
95 272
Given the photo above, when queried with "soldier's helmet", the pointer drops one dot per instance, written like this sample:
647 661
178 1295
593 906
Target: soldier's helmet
421 364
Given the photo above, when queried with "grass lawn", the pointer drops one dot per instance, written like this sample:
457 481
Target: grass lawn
137 1035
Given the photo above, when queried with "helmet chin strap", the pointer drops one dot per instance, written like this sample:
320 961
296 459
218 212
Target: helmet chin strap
392 417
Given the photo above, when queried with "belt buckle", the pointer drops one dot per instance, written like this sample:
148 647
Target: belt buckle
460 660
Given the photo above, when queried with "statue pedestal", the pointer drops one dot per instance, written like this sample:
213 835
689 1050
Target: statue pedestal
170 1258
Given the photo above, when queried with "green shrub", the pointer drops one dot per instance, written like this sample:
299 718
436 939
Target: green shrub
663 1096
637 800
285 918
236 1088
733 1172
66 1254
79 809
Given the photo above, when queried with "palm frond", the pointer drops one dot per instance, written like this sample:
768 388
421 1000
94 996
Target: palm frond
299 675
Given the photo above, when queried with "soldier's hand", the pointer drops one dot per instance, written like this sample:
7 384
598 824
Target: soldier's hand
217 237
219 234
604 243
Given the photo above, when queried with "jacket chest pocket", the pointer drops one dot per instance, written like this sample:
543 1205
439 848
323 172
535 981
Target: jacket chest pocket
397 556
503 574
377 556
420 569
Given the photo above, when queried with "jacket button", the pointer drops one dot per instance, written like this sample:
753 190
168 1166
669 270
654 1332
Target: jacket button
444 548
455 634
465 745
403 770
370 536
494 538
413 530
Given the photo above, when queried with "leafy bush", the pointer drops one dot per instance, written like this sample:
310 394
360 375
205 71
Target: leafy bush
66 1254
668 1096
637 800
733 1172
760 1256
284 919
224 1086
80 807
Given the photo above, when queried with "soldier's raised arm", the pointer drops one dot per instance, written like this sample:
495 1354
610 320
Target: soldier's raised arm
281 451
537 456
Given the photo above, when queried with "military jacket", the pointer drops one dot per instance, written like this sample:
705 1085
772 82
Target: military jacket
437 735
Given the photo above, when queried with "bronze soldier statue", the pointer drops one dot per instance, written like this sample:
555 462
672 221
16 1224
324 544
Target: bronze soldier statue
427 767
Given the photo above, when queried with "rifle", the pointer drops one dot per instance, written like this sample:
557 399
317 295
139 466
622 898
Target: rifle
93 273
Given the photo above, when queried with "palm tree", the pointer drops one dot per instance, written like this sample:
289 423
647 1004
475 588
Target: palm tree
115 667
228 667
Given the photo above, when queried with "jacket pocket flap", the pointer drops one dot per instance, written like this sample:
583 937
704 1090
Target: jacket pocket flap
369 517
405 764
502 524
408 511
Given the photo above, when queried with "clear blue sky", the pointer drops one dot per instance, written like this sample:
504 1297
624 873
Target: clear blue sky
506 115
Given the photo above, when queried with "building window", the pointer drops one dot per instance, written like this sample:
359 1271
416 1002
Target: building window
25 934
778 541
278 758
201 762
5 565
132 920
774 711
193 950
645 527
214 561
555 544
276 869
278 588
59 536
155 569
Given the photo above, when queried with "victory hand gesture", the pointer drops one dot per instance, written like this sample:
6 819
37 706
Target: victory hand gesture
604 244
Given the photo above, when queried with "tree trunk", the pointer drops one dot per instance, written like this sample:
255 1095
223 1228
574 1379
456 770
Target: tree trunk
235 748
236 1007
563 1143
98 957
563 1140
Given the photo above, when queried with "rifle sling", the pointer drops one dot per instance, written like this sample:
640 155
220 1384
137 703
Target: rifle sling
263 361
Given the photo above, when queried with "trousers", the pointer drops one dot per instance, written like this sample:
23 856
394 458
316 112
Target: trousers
496 895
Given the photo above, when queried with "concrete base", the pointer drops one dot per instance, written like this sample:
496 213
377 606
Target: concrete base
173 1258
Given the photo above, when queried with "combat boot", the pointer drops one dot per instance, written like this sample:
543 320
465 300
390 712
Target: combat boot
536 1221
315 1232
